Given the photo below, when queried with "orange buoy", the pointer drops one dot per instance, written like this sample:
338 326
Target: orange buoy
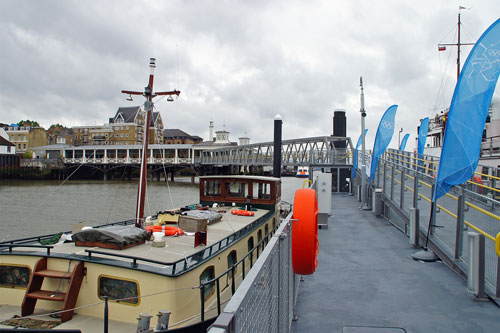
167 229
242 212
305 232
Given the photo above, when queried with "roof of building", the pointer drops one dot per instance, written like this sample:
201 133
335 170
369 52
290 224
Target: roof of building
5 142
175 132
128 114
216 144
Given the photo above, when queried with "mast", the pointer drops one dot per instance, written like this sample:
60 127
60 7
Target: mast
148 108
442 46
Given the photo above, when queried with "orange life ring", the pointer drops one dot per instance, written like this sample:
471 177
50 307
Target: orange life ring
305 242
167 229
242 212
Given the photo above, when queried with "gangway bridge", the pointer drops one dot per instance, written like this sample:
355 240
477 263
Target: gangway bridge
323 151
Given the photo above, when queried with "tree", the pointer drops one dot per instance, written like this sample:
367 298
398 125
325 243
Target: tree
30 123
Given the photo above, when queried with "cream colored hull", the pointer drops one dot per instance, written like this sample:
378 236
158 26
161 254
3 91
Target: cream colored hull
179 294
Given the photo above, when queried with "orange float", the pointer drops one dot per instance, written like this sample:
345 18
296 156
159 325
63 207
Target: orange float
242 212
305 232
167 229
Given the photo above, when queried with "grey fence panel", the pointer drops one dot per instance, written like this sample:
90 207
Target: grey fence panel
265 300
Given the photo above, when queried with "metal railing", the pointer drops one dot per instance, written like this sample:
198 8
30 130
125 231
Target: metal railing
407 182
268 293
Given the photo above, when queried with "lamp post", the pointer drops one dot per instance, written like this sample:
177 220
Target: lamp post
399 137
364 198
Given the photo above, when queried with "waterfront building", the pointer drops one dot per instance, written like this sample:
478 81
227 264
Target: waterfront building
177 136
8 157
6 147
60 135
26 137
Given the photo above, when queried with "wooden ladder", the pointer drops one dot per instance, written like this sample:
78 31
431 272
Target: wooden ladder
35 292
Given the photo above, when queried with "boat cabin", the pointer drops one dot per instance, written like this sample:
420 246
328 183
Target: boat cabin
263 192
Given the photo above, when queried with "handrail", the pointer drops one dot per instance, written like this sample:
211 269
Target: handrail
484 186
454 215
10 246
497 244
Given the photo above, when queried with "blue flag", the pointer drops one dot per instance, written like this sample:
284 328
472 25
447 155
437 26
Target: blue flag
355 161
403 142
384 135
422 135
468 111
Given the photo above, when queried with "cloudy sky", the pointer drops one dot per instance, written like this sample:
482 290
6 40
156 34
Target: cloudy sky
236 62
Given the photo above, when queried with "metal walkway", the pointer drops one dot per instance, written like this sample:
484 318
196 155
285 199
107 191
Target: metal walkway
366 281
315 151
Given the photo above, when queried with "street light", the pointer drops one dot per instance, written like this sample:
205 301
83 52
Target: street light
399 137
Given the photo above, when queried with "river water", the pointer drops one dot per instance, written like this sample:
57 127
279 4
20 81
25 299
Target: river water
35 208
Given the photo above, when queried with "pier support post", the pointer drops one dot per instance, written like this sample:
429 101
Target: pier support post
277 146
414 226
475 274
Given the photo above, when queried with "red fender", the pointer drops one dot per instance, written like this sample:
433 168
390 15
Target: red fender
305 232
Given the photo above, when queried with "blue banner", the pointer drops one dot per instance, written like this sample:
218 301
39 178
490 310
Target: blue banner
384 135
468 110
403 142
355 160
422 135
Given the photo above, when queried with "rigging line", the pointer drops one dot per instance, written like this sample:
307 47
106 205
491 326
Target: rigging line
166 178
57 189
116 194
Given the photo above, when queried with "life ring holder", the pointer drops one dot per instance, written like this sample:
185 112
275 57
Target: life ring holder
305 242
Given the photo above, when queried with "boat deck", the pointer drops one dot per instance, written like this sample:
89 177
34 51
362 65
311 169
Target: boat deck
177 248
366 281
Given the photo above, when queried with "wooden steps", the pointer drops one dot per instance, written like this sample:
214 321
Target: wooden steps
35 292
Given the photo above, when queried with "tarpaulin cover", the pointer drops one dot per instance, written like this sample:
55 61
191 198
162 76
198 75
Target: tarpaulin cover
120 235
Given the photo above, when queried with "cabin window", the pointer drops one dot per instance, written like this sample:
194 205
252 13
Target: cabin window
250 248
261 191
236 189
212 188
14 276
259 239
118 289
266 232
231 261
207 275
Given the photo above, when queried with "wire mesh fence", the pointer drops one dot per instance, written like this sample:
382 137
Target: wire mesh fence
265 300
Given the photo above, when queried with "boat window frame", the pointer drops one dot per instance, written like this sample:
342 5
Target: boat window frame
121 279
229 275
210 286
17 286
